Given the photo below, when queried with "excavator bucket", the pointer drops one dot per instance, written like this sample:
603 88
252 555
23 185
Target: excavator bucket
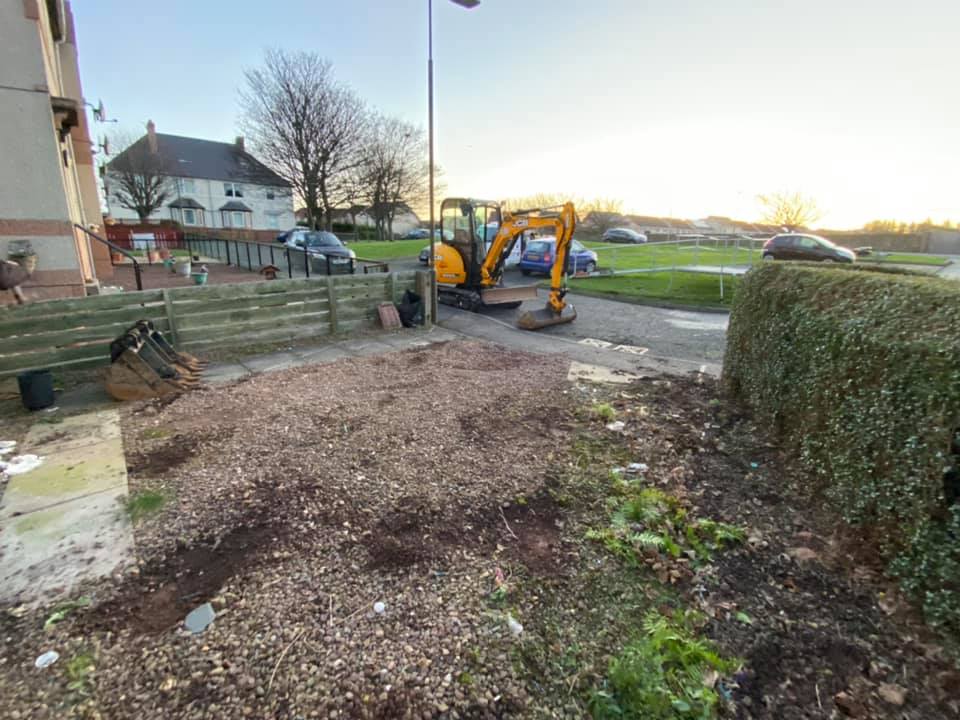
536 319
144 365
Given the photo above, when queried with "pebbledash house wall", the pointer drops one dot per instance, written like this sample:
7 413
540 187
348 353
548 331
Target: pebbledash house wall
276 214
46 183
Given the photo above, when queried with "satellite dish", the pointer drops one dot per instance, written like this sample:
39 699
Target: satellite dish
99 113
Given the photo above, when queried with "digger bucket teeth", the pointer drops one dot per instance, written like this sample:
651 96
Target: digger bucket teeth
536 319
144 365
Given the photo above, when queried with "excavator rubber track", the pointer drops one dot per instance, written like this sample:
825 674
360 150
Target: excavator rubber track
545 317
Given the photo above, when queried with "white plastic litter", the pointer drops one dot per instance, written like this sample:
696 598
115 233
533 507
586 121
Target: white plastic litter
616 425
637 468
515 627
379 607
19 464
47 659
7 446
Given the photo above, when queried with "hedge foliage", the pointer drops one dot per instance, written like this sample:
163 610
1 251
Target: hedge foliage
859 373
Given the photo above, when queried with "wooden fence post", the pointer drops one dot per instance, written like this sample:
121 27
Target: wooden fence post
332 302
171 319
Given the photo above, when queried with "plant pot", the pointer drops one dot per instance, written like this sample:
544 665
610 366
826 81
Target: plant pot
199 278
169 265
116 258
153 256
36 389
164 253
182 267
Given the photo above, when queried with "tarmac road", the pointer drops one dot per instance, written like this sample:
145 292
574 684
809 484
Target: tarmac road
681 339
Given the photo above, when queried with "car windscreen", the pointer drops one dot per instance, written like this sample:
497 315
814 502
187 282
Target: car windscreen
323 239
823 242
539 246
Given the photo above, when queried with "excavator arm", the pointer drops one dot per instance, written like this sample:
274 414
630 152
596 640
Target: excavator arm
563 222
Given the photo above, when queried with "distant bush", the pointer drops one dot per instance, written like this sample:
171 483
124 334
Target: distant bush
859 372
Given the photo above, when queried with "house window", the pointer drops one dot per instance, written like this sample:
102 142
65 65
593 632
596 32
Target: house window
233 189
187 185
238 219
270 195
189 217
273 222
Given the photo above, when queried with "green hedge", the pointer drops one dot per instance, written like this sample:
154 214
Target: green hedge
859 373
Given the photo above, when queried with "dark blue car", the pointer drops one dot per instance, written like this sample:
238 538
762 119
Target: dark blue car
540 254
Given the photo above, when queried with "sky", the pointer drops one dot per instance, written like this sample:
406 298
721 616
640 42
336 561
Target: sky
685 108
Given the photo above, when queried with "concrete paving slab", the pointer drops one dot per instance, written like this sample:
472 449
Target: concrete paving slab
62 522
364 347
65 475
74 431
599 374
44 554
274 361
322 354
223 373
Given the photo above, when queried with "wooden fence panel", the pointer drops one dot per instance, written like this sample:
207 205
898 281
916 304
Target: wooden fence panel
77 332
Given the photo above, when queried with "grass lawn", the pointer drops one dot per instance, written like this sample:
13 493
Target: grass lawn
386 250
907 259
685 288
653 255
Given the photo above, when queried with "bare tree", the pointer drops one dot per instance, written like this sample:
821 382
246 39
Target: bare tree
305 126
790 210
394 172
137 178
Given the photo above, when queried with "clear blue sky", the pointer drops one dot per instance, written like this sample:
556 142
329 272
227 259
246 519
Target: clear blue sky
689 107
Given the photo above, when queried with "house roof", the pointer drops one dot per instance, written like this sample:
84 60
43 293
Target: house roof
235 205
186 203
204 159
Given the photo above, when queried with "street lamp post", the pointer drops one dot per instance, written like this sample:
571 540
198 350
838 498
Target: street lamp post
468 4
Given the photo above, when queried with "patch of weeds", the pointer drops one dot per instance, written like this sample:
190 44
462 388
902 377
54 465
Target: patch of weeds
647 524
604 412
79 668
465 678
62 610
50 420
143 503
667 674
155 433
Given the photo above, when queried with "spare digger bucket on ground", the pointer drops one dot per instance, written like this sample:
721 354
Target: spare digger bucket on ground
503 295
144 365
536 319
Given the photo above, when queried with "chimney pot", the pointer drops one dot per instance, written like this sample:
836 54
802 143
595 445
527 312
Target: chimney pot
152 136
239 143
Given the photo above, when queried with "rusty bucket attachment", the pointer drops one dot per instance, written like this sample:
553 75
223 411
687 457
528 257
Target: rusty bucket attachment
536 319
144 365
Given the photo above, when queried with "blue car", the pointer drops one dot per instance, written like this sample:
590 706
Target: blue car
540 253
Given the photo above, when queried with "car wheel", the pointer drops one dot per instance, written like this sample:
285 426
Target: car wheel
768 257
829 260
526 273
590 268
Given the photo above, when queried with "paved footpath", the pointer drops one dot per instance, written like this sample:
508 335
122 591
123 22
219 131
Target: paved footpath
63 522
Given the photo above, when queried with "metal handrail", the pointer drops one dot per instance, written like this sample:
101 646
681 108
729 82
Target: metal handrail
117 248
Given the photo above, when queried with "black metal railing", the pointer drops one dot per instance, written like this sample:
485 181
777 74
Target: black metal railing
115 248
283 260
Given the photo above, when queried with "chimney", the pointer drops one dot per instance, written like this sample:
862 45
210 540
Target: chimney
239 143
152 136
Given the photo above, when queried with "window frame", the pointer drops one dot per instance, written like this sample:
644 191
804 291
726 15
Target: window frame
232 189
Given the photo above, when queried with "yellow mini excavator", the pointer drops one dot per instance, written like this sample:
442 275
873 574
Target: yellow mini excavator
477 237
